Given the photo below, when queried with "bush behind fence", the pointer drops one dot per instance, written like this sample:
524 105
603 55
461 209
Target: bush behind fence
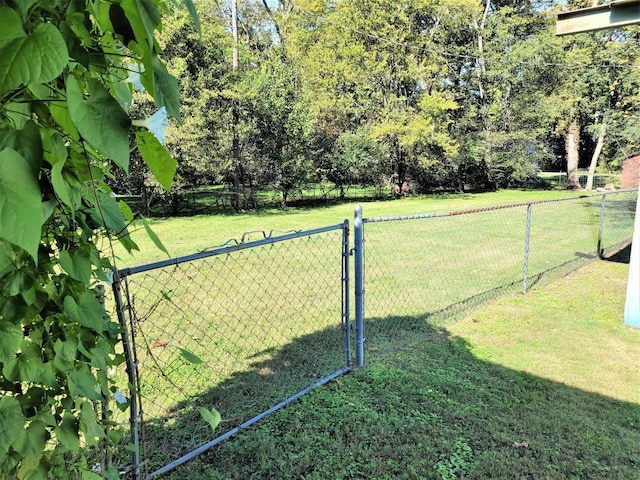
246 327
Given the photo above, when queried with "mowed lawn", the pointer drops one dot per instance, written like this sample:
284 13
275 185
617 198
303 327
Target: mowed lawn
535 386
572 332
186 235
528 387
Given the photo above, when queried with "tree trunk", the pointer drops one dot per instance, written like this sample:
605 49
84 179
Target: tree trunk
273 19
235 152
484 101
596 155
235 149
572 147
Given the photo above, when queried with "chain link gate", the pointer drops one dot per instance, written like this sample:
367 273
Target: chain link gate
243 329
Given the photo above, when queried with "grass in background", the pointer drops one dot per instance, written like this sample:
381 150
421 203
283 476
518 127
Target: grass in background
536 386
186 235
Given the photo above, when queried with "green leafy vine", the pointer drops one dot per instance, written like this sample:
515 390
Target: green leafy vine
67 71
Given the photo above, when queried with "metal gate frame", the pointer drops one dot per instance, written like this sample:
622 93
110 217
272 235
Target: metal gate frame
126 320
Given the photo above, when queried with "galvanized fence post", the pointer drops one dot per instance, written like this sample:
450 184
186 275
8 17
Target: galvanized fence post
599 250
359 283
131 373
527 237
346 292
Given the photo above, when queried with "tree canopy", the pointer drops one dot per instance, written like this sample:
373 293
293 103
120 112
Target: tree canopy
420 96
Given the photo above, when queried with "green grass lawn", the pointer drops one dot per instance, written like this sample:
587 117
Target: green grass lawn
570 333
538 386
186 235
265 321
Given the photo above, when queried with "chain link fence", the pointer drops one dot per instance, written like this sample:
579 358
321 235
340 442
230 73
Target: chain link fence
250 326
438 266
237 329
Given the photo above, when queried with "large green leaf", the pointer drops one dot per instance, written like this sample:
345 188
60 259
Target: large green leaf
10 339
20 205
11 26
160 162
100 120
35 58
89 424
165 89
65 192
29 367
65 354
213 418
77 264
31 445
27 142
89 312
108 213
67 432
60 114
55 145
83 384
11 422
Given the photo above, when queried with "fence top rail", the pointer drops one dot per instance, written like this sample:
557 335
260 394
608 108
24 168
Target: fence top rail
492 207
233 245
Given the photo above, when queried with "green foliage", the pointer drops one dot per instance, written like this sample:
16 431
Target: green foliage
64 129
368 66
283 125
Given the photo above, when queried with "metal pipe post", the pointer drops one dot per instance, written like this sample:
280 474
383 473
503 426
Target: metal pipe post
527 237
358 235
599 248
131 373
346 292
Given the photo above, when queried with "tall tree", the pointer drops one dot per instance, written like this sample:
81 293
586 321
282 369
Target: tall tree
500 81
282 123
371 64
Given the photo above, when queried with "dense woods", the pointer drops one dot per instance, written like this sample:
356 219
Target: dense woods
419 96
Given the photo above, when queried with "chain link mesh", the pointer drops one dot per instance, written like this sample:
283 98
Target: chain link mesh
242 330
237 332
438 266
618 215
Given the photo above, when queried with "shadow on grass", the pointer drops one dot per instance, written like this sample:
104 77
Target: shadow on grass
424 407
621 256
270 377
